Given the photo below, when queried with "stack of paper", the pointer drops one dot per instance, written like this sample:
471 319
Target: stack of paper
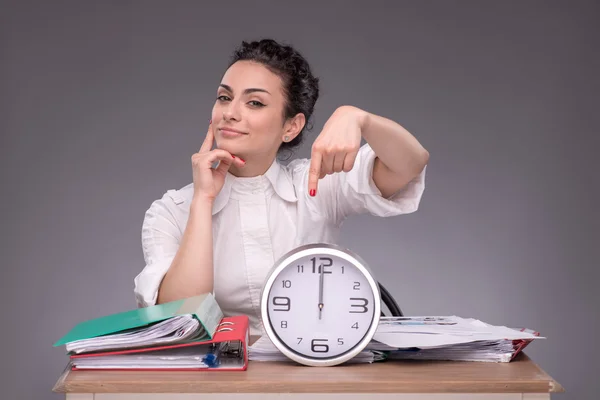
175 358
225 351
178 329
428 338
264 350
449 338
185 334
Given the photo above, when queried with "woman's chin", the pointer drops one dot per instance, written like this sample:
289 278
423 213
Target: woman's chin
229 147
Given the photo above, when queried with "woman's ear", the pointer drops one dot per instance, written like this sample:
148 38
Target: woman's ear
292 127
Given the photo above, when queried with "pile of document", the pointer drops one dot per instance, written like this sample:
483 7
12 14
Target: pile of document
449 338
179 329
264 350
428 338
175 358
186 334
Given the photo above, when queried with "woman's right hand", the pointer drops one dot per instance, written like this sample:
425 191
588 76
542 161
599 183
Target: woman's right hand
209 181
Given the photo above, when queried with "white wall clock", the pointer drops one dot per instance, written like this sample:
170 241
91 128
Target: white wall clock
320 304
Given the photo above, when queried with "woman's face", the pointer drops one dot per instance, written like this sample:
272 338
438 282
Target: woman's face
248 119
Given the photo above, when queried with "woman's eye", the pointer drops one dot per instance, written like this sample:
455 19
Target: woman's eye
222 98
256 103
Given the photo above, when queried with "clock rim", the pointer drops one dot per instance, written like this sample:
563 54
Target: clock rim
303 251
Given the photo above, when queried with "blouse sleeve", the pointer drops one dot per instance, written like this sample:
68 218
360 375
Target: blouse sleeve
343 194
160 242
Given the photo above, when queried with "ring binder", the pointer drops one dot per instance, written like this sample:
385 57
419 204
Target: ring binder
226 351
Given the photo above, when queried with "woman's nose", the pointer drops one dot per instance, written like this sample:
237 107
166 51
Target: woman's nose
231 112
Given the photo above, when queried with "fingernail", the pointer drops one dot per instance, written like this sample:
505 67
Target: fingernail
234 156
313 192
242 159
210 121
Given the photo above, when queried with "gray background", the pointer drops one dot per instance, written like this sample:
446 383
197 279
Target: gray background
103 103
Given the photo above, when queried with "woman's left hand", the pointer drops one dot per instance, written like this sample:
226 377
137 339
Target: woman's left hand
336 147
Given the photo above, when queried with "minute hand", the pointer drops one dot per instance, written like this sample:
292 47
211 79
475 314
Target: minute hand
321 290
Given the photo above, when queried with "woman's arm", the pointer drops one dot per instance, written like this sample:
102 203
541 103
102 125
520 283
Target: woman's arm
191 272
400 156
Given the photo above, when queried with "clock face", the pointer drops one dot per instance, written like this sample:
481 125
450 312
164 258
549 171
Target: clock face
321 306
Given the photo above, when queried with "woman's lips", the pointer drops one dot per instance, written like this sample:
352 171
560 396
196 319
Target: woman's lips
228 132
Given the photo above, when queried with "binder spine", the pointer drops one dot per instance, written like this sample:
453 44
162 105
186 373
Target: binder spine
227 349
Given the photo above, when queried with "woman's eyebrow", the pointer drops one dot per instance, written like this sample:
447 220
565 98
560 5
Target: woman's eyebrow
246 91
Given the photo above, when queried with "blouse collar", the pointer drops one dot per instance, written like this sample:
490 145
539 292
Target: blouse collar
276 176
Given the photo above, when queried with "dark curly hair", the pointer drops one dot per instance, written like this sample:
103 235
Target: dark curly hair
300 87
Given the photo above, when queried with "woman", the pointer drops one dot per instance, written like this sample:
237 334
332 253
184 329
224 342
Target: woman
223 232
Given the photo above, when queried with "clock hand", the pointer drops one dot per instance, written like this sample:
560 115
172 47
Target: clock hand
321 290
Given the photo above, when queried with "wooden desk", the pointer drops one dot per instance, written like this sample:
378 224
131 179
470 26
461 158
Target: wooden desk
520 379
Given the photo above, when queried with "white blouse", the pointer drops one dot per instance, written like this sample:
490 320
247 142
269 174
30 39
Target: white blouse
258 219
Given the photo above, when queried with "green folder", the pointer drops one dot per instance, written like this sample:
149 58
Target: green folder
203 307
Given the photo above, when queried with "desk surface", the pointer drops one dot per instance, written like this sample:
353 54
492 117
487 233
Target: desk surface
519 376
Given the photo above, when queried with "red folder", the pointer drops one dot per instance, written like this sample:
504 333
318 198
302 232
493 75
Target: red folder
520 344
228 352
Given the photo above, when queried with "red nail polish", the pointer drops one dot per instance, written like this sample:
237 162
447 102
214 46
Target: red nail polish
313 192
210 121
234 156
242 159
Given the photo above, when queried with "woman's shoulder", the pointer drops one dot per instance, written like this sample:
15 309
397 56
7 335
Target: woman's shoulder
181 195
297 165
172 201
297 170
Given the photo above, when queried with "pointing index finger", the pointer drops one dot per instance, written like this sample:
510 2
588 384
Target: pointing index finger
208 140
314 172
